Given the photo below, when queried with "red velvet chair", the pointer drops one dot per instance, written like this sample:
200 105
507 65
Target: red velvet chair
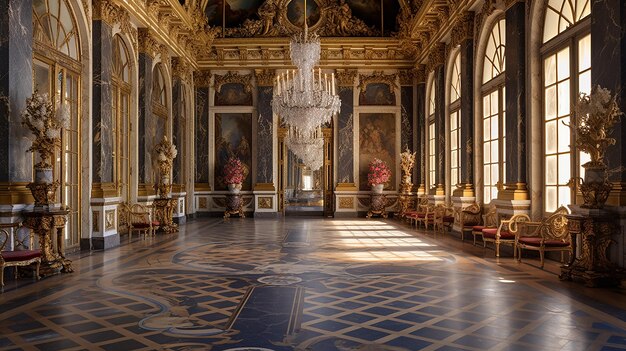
419 212
17 258
443 218
490 220
504 234
469 217
551 234
141 220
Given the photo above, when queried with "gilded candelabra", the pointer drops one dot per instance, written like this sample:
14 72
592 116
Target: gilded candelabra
166 153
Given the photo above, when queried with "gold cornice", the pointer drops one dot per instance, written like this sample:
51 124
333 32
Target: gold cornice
436 56
106 11
202 187
103 190
202 78
378 77
345 78
420 73
265 77
464 28
264 187
232 77
346 187
407 76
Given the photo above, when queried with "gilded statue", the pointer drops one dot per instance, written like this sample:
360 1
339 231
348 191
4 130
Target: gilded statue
407 161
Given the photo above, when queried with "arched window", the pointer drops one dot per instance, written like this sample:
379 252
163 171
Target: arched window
455 121
493 95
56 71
431 136
120 104
566 54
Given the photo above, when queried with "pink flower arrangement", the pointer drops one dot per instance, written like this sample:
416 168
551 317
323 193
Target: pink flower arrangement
378 173
233 171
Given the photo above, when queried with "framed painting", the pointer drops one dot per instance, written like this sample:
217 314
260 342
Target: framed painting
233 94
233 136
377 94
377 139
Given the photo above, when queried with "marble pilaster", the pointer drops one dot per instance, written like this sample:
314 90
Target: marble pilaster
16 52
421 137
466 160
178 129
406 127
201 177
345 137
145 119
608 69
102 122
515 83
440 129
265 136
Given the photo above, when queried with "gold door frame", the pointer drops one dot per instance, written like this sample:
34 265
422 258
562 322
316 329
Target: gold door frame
327 171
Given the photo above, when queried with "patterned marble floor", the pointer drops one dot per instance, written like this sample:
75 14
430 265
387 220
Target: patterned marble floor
307 284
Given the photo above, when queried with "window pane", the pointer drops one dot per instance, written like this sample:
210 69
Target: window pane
565 195
550 143
494 128
564 98
551 198
564 168
487 152
584 53
550 101
551 170
494 151
584 82
549 67
563 64
564 135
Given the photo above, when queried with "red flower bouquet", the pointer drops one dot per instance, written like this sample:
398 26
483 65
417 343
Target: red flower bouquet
378 173
233 171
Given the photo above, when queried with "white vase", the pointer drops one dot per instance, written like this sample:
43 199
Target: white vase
378 188
234 188
43 175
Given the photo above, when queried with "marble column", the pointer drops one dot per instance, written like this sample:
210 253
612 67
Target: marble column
102 121
420 145
608 69
440 130
515 85
146 176
16 85
178 130
265 195
201 170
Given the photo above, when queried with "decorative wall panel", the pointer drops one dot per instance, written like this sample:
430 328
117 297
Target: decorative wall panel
233 133
377 139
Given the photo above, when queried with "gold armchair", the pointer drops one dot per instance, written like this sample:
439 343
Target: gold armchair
490 220
141 220
17 258
420 211
443 217
504 234
551 234
469 217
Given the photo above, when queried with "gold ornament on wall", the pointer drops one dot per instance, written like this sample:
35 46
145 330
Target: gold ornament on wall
407 161
232 77
165 154
378 77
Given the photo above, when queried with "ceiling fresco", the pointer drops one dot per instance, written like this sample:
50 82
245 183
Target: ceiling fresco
344 18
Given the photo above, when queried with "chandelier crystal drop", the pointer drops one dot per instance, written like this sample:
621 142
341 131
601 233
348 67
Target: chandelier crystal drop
302 98
307 146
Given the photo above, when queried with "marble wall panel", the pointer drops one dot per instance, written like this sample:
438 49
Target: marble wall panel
467 111
102 148
16 52
345 142
440 125
515 94
177 129
145 119
406 124
202 135
420 145
265 136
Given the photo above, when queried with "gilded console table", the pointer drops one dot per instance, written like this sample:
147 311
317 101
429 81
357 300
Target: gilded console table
592 265
234 206
48 225
378 205
164 213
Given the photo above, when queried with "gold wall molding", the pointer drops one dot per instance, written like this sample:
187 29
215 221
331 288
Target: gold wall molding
378 77
345 78
181 69
103 190
232 77
15 193
202 78
346 187
265 77
264 187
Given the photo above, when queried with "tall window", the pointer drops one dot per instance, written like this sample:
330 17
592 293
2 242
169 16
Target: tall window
56 71
566 56
120 105
455 121
493 112
431 136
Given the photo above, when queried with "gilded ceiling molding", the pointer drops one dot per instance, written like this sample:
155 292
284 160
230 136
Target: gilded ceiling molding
464 28
202 78
345 78
436 56
147 44
335 20
164 54
407 76
181 69
232 77
106 11
265 77
378 77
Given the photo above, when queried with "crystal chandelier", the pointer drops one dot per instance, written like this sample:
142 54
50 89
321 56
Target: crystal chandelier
307 147
301 100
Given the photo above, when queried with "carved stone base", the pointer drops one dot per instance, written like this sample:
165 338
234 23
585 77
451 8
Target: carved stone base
48 226
234 206
378 206
164 211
